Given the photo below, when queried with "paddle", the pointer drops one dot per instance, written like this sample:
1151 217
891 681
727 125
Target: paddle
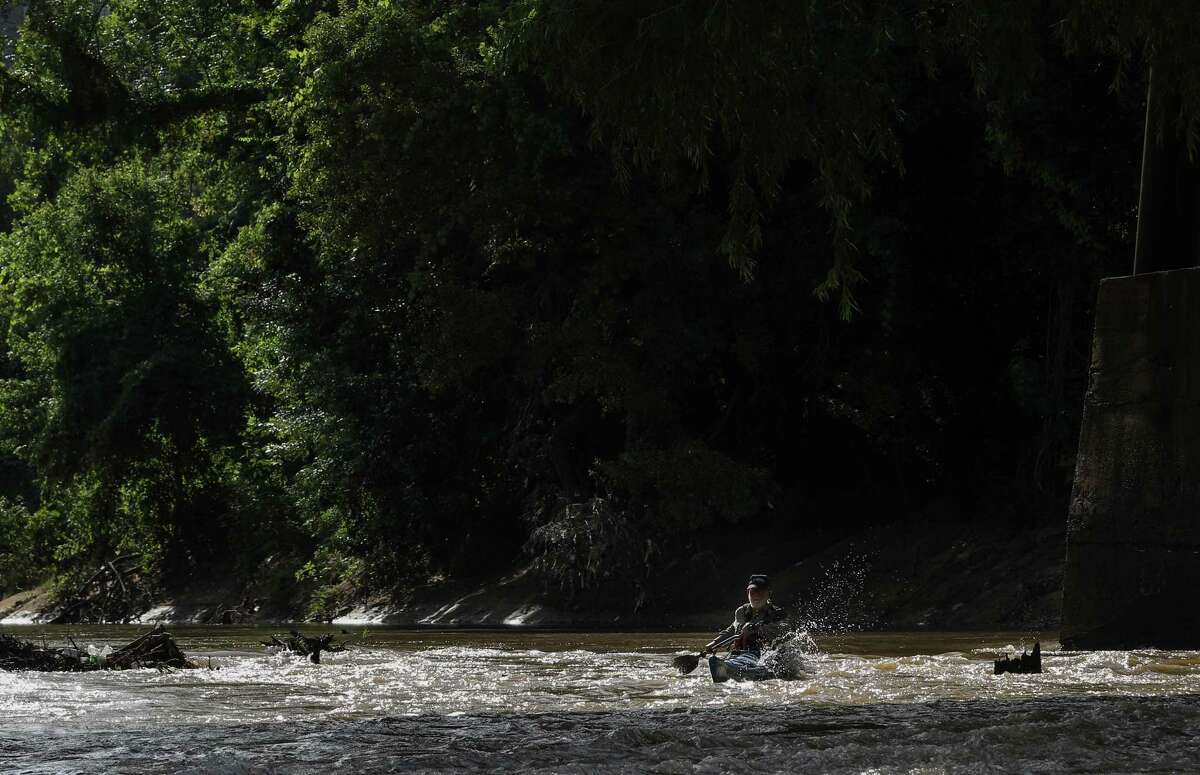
686 663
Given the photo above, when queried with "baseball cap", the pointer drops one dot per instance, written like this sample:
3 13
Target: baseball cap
759 581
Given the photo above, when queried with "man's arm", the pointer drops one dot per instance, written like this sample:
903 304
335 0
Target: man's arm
739 619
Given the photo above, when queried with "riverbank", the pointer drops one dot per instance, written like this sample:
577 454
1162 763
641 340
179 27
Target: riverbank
899 577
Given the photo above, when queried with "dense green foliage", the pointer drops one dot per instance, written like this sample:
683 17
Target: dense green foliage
394 289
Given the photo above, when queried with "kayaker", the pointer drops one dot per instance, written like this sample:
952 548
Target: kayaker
759 623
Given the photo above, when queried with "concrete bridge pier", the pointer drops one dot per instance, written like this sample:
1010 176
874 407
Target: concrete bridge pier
1133 533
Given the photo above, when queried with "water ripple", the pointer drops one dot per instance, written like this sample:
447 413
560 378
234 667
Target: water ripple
555 702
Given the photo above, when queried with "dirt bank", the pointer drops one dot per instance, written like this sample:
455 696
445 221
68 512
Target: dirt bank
899 577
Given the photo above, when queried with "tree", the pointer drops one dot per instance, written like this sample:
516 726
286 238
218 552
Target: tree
101 297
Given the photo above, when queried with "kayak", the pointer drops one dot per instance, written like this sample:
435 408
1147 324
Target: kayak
723 670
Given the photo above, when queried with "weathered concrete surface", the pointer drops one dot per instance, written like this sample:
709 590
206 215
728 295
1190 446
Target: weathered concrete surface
1133 534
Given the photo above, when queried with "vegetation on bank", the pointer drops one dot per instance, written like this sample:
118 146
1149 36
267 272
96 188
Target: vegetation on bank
388 290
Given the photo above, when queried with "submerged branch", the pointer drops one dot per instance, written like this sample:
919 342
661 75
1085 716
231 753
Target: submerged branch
155 649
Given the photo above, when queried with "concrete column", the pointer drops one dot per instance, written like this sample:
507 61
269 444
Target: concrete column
1133 533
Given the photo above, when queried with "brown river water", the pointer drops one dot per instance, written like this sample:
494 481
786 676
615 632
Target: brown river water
478 700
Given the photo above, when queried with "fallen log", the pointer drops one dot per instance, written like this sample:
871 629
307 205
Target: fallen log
1026 663
305 646
155 649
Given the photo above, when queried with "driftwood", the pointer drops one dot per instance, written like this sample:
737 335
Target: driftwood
305 646
241 613
1026 663
22 655
155 649
112 594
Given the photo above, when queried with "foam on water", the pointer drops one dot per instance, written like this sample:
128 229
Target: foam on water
894 703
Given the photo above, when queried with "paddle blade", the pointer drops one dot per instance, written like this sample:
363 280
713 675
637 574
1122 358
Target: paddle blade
686 663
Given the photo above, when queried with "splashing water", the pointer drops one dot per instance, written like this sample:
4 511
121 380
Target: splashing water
789 656
836 600
604 702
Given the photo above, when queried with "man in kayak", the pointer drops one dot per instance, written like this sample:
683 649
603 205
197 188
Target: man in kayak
758 623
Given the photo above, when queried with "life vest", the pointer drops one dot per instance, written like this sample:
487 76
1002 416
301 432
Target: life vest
749 640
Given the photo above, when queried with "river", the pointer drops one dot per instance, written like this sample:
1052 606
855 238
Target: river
413 701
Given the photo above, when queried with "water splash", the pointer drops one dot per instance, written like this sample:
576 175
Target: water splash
837 601
790 656
608 702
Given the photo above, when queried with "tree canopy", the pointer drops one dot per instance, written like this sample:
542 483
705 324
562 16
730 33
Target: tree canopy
397 290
